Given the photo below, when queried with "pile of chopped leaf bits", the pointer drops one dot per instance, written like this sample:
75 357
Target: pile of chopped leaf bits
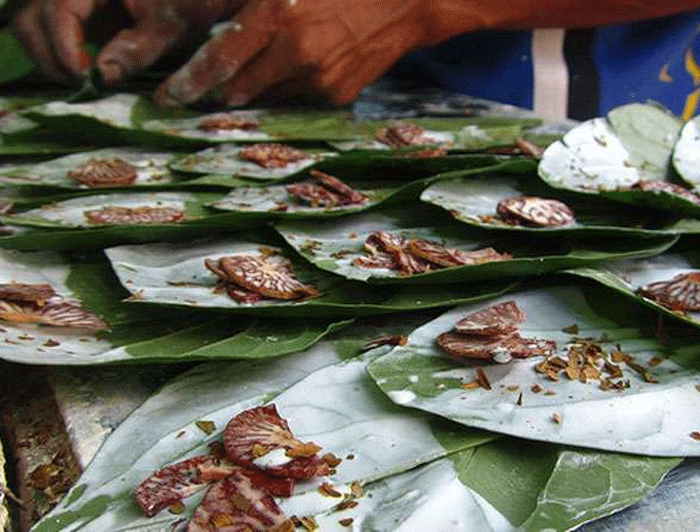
257 460
409 256
587 361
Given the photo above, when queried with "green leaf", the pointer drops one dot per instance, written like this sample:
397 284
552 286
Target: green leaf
686 157
151 167
14 63
475 200
355 419
628 276
224 159
586 485
174 274
420 375
633 143
337 244
160 336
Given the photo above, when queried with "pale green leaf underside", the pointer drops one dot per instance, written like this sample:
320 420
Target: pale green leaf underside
420 375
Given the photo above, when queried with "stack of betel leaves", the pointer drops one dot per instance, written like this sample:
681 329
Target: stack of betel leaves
458 329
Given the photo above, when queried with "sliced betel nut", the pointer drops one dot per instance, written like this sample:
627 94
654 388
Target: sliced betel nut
681 293
112 172
447 257
497 320
266 276
137 215
535 211
271 155
462 347
228 122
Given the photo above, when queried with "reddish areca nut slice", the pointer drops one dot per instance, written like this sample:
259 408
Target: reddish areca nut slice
443 256
252 435
351 196
137 215
314 195
173 483
104 173
234 504
271 155
56 313
266 277
681 293
176 482
670 188
401 134
497 320
27 293
378 260
228 122
501 348
384 241
534 211
409 264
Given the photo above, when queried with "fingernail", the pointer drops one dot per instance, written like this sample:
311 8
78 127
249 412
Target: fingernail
238 99
112 72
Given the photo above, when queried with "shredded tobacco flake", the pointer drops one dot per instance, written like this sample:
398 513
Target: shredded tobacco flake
207 427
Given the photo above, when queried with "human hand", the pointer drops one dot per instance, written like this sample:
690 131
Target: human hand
330 47
53 32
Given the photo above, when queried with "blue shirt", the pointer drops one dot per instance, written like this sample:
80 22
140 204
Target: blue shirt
608 66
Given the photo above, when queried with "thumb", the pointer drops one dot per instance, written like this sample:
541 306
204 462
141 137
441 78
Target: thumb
135 49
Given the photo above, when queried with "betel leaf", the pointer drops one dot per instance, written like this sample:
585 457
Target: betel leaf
628 276
654 411
504 484
275 201
549 487
175 274
225 159
113 120
686 153
633 143
475 200
353 420
71 213
337 245
587 485
14 63
151 169
159 336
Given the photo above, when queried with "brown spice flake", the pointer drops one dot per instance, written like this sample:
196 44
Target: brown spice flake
556 418
51 343
571 329
346 522
345 505
302 450
513 387
655 361
695 435
519 402
328 490
309 523
482 379
356 490
536 388
207 427
331 459
177 508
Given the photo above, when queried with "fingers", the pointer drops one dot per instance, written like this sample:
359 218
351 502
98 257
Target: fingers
63 23
137 48
267 69
29 29
223 56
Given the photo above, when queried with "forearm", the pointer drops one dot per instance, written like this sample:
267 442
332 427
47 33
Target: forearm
446 18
